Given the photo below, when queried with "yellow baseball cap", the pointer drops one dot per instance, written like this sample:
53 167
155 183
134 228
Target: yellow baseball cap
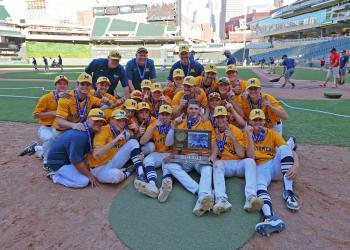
114 55
156 87
130 104
220 110
136 94
103 79
97 115
210 68
142 105
61 77
119 114
183 49
253 82
189 80
146 84
256 113
213 95
231 67
223 80
166 109
178 73
85 77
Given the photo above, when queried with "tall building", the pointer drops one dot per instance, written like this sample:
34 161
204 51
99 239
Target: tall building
234 8
278 3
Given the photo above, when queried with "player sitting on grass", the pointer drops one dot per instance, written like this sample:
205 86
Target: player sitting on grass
45 111
180 100
275 161
193 121
157 133
173 87
208 81
112 148
66 161
157 99
233 146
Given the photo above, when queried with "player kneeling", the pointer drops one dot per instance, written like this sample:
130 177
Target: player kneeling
231 144
112 149
157 133
275 161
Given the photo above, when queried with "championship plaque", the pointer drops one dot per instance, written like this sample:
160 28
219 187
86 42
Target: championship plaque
196 141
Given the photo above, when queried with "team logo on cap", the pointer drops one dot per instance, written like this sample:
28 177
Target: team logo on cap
219 109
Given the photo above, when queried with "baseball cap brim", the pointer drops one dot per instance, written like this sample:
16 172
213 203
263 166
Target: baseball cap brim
97 118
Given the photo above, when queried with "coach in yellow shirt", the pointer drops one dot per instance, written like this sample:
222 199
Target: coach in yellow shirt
275 161
234 146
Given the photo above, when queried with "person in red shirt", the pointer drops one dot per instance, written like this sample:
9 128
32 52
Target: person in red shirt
333 69
322 62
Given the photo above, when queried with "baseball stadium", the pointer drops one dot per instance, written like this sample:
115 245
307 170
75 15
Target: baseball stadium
149 128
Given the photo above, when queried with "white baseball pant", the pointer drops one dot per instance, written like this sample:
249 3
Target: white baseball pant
111 172
47 135
181 174
229 168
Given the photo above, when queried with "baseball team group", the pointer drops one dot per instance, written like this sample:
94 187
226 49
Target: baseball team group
93 134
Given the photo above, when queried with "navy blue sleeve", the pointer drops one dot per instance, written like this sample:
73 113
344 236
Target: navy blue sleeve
170 77
77 149
91 67
123 77
200 68
153 74
128 69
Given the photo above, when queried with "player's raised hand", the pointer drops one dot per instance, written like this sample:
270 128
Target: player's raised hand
105 100
228 133
249 130
228 105
159 123
266 103
133 126
183 102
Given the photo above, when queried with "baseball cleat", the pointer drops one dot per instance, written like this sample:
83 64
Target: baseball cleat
291 200
221 205
253 204
50 175
270 225
142 186
203 205
292 143
129 169
165 189
29 150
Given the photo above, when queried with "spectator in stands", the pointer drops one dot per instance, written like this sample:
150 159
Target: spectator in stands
333 70
189 67
46 63
230 58
343 63
288 70
60 62
322 62
35 64
110 68
140 68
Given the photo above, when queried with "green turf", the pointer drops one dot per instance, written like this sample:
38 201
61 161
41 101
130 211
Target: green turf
309 74
315 128
144 223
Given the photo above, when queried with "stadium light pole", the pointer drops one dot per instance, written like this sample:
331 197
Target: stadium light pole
244 30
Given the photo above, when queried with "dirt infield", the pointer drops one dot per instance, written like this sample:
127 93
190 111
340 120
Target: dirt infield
36 214
304 89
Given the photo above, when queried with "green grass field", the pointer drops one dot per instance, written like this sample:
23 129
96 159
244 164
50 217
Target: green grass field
309 74
308 127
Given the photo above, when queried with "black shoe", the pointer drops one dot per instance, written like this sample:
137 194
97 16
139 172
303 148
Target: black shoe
29 150
50 174
129 170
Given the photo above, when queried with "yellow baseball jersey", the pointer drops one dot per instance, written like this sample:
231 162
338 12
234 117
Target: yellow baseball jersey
151 122
159 140
46 103
271 117
201 97
266 149
67 109
156 105
229 152
201 125
101 138
169 90
107 112
213 85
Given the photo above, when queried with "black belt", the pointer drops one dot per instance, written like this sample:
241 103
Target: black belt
278 123
49 126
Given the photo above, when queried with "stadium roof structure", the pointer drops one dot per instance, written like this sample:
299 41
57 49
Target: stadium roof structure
11 33
109 28
3 13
